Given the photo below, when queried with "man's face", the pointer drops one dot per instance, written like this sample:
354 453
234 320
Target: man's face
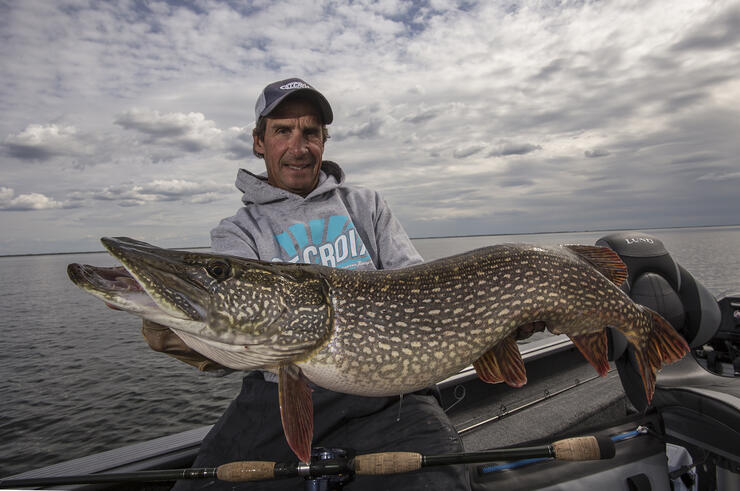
293 146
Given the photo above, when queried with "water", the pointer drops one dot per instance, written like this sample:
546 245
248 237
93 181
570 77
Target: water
78 378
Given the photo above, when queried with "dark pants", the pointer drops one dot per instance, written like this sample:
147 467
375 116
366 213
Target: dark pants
250 429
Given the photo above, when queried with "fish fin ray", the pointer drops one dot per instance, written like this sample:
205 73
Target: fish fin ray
502 363
296 410
664 345
595 349
605 260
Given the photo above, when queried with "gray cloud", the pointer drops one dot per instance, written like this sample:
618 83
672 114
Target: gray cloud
509 148
9 201
720 31
368 129
132 194
422 115
468 150
189 132
39 142
596 153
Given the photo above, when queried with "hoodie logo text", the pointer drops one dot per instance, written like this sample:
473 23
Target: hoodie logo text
332 241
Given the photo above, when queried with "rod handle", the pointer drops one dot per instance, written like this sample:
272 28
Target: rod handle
243 471
387 463
584 448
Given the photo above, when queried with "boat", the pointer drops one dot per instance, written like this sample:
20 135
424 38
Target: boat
688 437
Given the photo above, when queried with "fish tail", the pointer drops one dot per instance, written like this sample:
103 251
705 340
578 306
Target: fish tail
658 345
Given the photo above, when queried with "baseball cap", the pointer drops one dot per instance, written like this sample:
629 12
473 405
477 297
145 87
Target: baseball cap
273 94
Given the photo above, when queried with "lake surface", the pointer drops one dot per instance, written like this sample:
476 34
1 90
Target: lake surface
78 378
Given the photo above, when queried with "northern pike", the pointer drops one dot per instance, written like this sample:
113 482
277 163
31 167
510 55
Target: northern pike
386 332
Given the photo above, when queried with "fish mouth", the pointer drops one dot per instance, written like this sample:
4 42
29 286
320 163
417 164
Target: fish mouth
115 286
162 274
102 279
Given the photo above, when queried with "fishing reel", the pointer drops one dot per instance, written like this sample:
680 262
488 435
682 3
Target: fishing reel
329 469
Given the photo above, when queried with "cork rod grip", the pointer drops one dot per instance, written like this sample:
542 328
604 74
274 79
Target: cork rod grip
583 448
387 463
246 471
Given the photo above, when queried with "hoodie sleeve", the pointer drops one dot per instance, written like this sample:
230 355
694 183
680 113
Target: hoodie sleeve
395 249
229 238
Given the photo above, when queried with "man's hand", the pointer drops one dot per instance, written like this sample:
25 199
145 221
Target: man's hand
162 339
526 330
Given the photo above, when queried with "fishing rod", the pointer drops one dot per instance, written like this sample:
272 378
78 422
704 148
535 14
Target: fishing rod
573 449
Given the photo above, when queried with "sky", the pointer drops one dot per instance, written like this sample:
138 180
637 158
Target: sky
131 118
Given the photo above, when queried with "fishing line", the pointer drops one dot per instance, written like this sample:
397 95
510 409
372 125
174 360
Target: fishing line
640 431
459 394
547 395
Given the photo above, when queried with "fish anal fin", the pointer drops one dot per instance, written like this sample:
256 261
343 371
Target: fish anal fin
502 363
662 346
605 260
594 348
296 410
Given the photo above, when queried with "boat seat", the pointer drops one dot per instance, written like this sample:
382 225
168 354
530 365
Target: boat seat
697 406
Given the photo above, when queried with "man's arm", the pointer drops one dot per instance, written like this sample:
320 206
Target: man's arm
395 249
230 238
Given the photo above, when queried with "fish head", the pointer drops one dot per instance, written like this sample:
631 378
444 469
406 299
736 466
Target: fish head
254 304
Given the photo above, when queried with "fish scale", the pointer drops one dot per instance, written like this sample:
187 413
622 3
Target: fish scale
385 332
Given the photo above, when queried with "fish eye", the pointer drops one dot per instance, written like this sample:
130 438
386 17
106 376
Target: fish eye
218 269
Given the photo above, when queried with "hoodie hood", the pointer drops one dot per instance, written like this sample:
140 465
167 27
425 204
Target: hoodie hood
257 190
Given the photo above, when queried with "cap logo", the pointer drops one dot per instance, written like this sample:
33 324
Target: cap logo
295 85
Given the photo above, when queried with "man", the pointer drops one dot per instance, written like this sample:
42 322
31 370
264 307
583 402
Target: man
302 211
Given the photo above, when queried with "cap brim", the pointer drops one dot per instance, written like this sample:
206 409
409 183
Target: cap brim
327 115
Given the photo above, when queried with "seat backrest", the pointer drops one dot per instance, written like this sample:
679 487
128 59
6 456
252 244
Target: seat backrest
657 281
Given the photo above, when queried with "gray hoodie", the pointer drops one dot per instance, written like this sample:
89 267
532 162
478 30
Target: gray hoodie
335 225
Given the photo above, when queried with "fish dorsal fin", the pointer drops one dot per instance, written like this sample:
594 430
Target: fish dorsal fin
605 260
594 348
296 410
502 363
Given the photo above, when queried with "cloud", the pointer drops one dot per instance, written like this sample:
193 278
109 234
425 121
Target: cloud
508 148
365 130
720 176
26 202
42 142
596 153
720 31
159 190
237 143
190 132
422 115
467 150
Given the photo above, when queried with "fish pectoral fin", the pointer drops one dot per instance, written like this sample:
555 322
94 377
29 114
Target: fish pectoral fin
605 260
296 410
663 345
594 347
502 363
